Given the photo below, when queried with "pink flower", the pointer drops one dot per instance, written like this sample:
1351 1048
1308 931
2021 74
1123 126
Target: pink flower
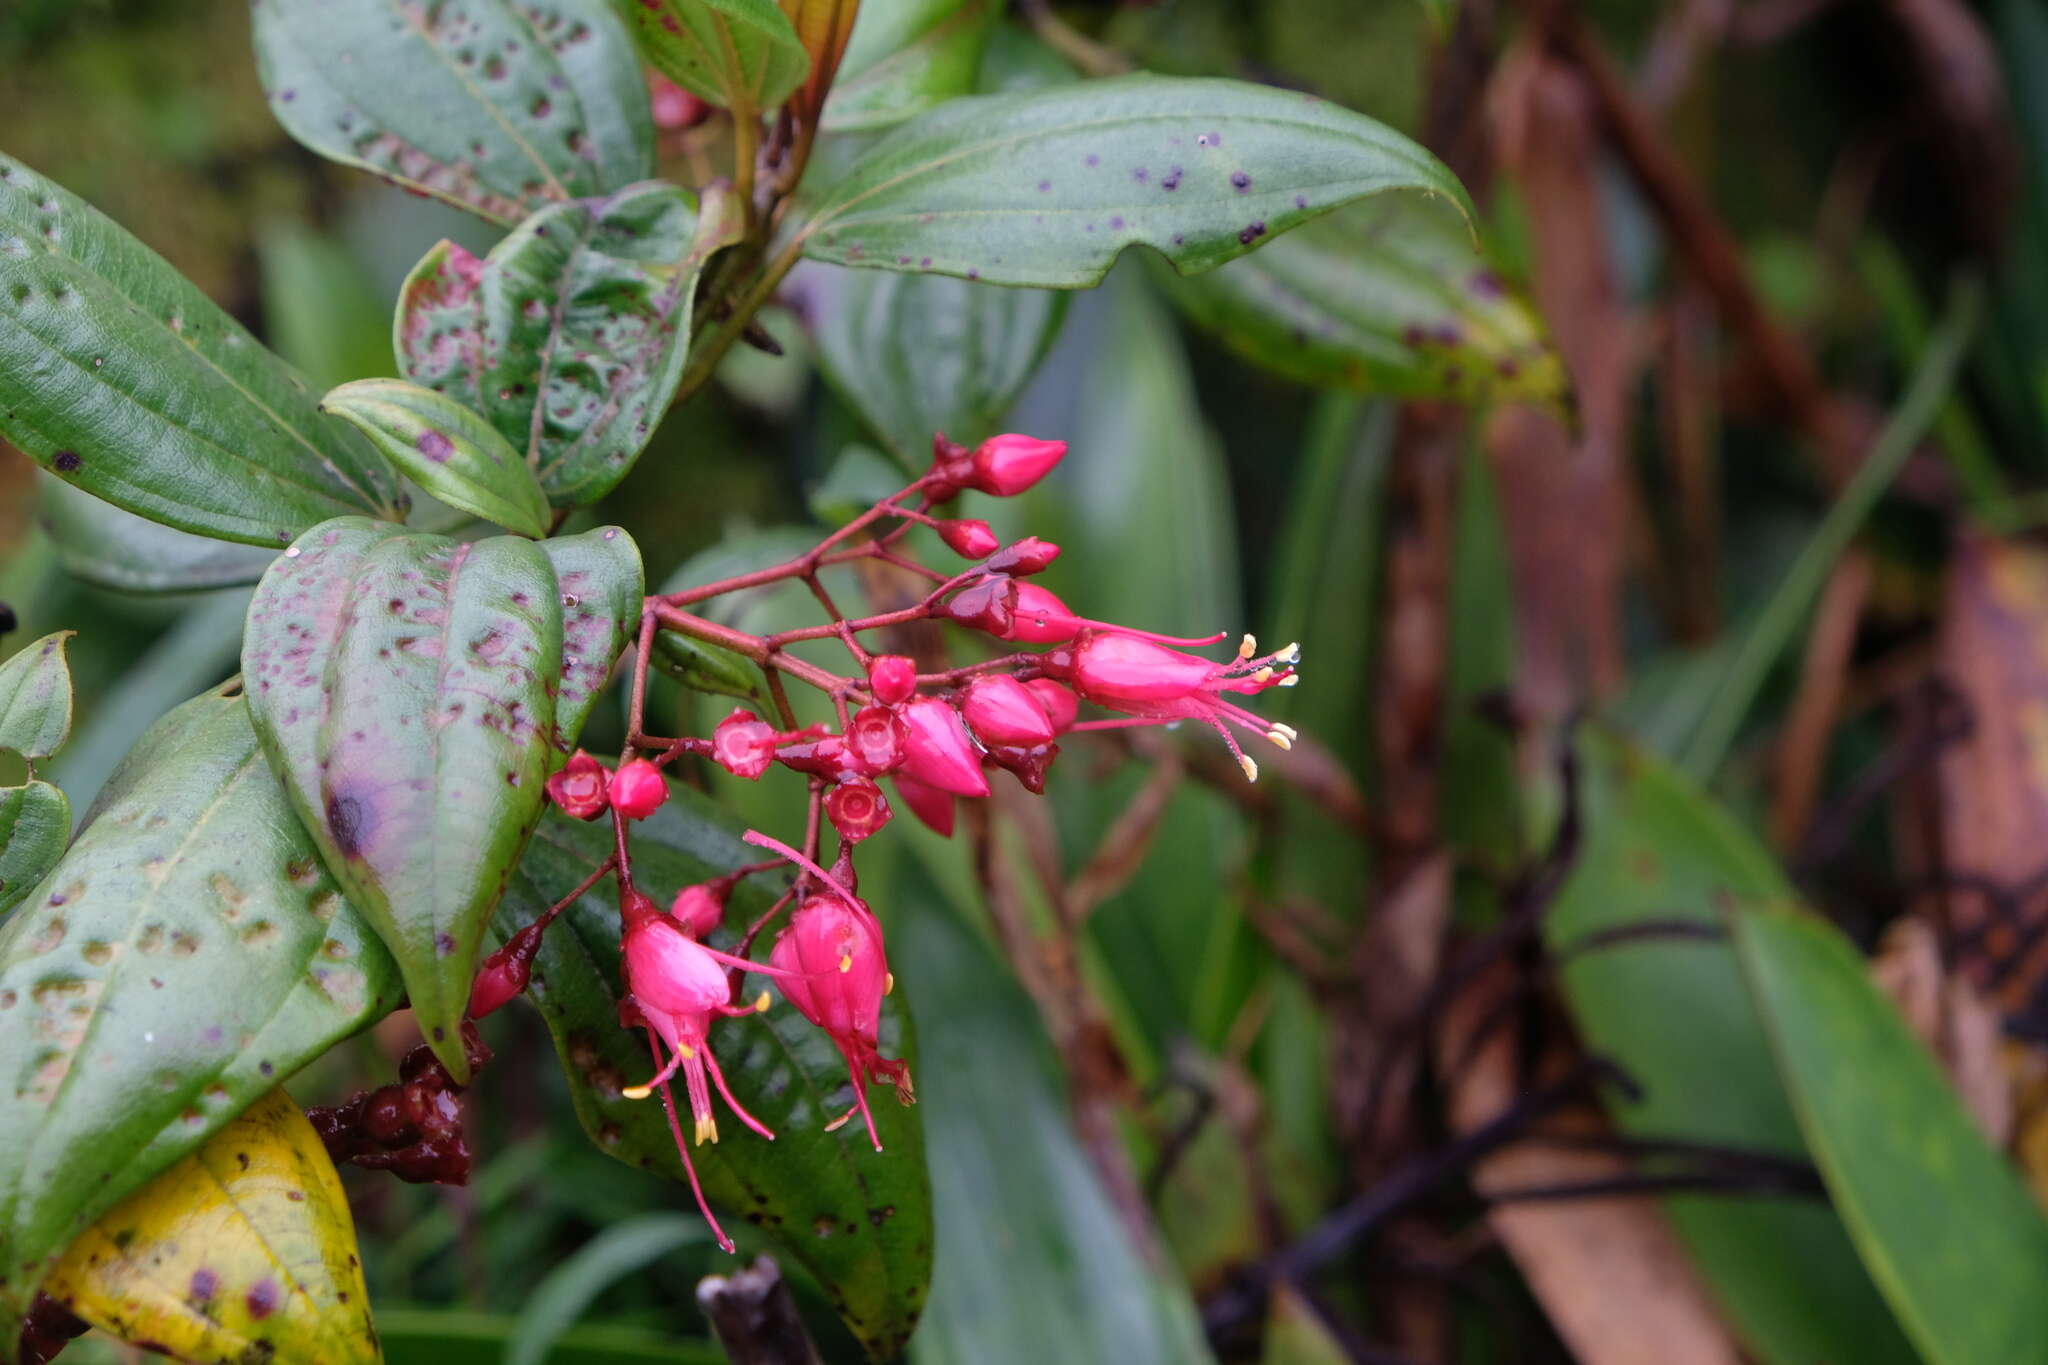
581 787
700 909
743 744
1007 465
1132 674
856 810
930 805
937 750
675 987
638 789
1024 557
875 739
1058 702
892 678
1001 711
968 539
835 973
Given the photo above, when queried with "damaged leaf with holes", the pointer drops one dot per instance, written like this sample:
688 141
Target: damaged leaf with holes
859 1221
242 1252
570 335
121 1051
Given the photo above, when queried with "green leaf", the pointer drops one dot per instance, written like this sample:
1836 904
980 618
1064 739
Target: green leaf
122 378
35 824
919 354
445 448
495 106
188 954
602 585
568 1290
1035 1264
904 58
415 1336
403 685
738 54
35 697
1655 852
105 546
1903 1161
1387 297
570 336
707 668
320 309
1046 187
858 1220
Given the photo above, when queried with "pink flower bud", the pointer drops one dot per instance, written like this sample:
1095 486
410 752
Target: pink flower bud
989 604
824 756
581 786
638 789
856 810
931 806
1024 558
1028 763
1058 702
504 973
1007 465
874 739
1040 618
699 909
968 539
674 107
743 744
937 750
892 678
1112 669
1001 711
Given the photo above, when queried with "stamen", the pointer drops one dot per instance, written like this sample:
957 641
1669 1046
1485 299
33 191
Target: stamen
761 1003
1290 680
707 1129
1251 769
1291 654
1288 730
888 982
1264 674
1248 646
846 962
637 1092
840 1122
1279 740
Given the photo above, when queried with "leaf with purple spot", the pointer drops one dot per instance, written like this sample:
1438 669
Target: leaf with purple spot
602 586
404 686
448 450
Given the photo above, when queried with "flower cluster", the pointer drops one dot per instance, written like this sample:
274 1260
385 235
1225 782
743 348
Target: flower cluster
936 736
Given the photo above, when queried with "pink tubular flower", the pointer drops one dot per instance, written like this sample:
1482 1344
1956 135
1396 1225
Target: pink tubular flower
1058 702
675 987
1038 617
1132 674
581 788
1001 711
743 744
892 678
638 789
937 750
931 806
856 810
1007 465
968 539
700 909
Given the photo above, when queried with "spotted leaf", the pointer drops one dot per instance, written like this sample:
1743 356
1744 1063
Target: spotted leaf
602 585
738 54
403 685
242 1252
446 449
120 1052
495 106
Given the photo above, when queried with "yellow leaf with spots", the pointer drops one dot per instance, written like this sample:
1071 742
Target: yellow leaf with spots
242 1253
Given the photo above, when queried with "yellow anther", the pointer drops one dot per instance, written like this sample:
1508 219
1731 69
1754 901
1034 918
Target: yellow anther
1288 730
1290 680
1290 655
637 1092
1247 647
838 1123
888 982
1264 674
846 962
1279 740
707 1129
689 1053
761 1003
1251 769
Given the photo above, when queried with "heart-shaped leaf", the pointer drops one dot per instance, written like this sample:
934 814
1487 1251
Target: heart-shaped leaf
242 1252
1386 297
120 377
1046 187
571 335
738 54
35 698
921 354
904 58
1901 1157
1656 854
403 685
602 586
35 824
859 1220
495 106
185 956
445 448
103 545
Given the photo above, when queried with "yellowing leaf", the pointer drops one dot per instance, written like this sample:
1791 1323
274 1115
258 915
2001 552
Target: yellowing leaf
240 1254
